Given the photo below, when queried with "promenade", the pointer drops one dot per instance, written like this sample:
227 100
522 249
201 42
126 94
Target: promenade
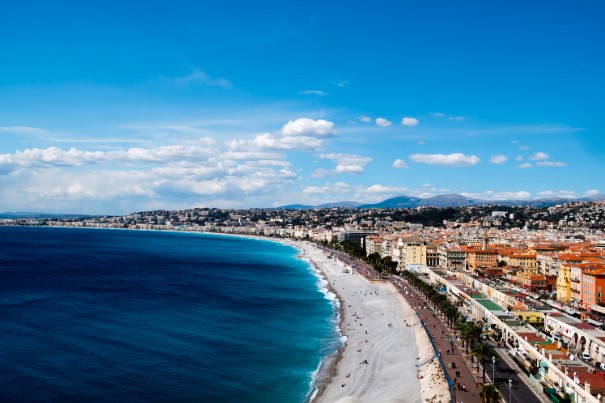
458 364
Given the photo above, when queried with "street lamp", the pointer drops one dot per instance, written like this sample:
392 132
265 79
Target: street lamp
493 370
510 390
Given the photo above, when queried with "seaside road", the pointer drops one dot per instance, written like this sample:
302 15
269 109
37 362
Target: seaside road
520 392
457 362
506 370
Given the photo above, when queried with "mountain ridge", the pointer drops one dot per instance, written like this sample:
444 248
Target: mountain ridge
446 200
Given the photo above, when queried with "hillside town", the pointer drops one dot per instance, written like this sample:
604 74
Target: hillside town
533 277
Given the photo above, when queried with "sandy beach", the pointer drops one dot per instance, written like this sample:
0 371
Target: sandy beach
385 343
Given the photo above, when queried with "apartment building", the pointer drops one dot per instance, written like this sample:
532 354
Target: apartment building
455 259
410 250
593 287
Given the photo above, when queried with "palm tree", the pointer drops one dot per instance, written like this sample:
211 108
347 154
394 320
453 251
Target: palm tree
482 351
475 333
489 394
471 333
451 313
459 325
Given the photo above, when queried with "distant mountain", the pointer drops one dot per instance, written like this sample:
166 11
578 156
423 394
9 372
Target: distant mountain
25 214
595 198
451 200
18 214
296 207
442 201
343 204
395 202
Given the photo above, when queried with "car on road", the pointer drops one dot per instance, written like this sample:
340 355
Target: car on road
586 357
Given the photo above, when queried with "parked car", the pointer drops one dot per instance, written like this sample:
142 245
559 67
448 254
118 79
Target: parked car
586 357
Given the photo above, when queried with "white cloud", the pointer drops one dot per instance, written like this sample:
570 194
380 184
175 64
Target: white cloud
164 185
383 122
519 158
268 141
493 195
365 119
454 159
53 156
340 84
197 76
35 131
399 163
308 127
449 117
558 193
551 164
524 165
320 173
315 92
523 148
250 155
299 134
410 122
187 129
522 194
539 156
381 189
498 159
348 163
328 188
592 192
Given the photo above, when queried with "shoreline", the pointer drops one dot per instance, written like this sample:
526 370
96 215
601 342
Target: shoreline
387 371
327 368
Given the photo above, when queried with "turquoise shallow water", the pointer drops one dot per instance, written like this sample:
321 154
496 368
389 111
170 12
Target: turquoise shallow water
111 315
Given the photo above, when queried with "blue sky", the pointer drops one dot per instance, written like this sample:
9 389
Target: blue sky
112 107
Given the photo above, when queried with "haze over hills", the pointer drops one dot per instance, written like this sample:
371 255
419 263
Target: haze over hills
343 204
403 201
38 215
449 200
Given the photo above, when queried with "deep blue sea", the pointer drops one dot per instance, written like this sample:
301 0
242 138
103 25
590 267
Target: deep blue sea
117 315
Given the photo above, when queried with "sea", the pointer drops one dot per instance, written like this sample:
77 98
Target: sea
158 316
